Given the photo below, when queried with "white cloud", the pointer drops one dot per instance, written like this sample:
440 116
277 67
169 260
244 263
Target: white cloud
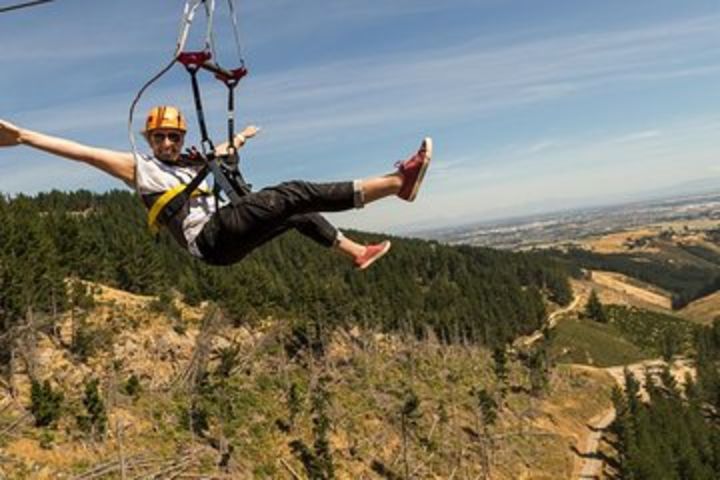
472 80
541 146
474 186
636 136
446 84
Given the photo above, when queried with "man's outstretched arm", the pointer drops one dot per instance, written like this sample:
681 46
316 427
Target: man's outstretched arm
118 164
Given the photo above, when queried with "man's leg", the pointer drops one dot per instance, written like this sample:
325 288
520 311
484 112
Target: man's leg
235 230
221 243
317 228
311 225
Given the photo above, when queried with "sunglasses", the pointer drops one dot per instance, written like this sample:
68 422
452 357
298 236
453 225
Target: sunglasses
159 137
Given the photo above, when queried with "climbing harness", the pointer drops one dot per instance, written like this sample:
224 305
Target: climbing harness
18 6
224 168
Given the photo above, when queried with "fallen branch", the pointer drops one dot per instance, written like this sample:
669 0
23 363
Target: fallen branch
102 469
295 475
172 470
14 424
201 353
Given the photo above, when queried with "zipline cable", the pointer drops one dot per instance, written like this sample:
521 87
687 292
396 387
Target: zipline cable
23 5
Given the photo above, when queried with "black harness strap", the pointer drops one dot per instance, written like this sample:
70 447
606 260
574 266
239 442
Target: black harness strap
193 61
231 163
222 180
225 169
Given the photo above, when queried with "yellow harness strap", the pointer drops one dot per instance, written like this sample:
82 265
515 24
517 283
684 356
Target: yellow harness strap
162 202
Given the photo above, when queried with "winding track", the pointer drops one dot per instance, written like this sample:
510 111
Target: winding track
551 323
592 465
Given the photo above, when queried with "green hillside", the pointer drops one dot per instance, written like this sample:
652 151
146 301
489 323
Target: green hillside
675 433
292 364
457 293
628 335
591 343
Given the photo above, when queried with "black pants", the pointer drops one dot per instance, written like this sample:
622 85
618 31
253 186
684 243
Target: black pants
236 230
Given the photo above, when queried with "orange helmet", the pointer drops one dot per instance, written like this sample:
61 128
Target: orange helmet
165 117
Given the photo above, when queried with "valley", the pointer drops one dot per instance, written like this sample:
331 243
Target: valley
483 363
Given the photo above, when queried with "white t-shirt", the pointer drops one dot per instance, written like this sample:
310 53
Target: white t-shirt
154 176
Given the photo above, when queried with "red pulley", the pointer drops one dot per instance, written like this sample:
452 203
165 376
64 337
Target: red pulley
231 77
194 60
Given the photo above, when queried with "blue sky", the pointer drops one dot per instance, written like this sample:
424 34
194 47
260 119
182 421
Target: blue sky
533 105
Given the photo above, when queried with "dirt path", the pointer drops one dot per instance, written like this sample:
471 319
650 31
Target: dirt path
592 465
552 320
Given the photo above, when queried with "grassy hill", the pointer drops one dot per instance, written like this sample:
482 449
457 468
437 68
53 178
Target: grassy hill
630 335
586 342
264 402
703 310
684 264
290 364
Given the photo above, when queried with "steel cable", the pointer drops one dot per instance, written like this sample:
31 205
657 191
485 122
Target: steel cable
23 5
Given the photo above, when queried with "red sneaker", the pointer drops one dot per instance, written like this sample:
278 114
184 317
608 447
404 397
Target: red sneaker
413 170
372 253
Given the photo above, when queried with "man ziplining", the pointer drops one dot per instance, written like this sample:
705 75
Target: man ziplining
224 233
223 224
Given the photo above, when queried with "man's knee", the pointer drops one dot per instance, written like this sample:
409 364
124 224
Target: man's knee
303 221
294 187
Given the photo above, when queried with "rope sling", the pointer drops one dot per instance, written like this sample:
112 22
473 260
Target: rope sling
225 169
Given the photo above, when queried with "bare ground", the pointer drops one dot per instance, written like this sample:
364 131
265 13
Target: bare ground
703 310
632 290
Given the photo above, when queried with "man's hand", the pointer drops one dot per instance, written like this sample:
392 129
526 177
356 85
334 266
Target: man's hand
239 140
249 131
9 134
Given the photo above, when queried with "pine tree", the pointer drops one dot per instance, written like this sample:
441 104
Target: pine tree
409 416
45 403
321 426
94 421
500 369
317 460
594 309
488 408
133 387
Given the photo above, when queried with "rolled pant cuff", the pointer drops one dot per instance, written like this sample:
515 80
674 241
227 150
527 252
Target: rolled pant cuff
358 195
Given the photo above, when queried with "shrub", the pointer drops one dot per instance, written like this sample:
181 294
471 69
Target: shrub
45 403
